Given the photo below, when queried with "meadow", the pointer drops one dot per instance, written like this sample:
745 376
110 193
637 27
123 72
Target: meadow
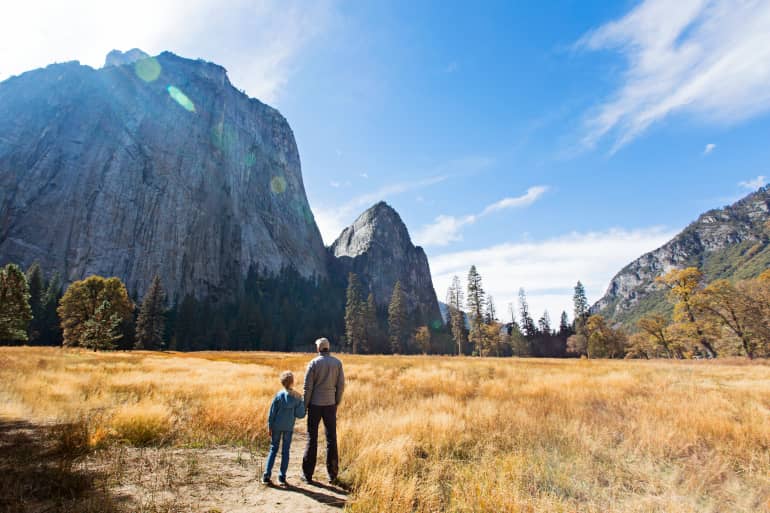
435 434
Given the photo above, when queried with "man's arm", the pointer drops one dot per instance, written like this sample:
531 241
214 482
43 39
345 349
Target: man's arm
308 385
340 386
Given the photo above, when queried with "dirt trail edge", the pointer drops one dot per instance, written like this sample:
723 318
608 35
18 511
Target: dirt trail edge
219 480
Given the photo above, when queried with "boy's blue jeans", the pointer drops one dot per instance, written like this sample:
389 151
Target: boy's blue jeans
285 448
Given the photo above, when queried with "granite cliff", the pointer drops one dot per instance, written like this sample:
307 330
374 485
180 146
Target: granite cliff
731 242
150 165
377 247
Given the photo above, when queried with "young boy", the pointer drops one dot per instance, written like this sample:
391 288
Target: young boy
287 405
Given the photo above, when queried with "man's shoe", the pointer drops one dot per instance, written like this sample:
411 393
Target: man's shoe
265 480
305 479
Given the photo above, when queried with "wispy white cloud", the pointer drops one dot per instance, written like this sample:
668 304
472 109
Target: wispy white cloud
259 42
709 148
754 183
331 219
548 269
525 200
447 229
703 56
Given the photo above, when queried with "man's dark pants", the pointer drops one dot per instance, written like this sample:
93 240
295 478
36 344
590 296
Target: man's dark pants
314 416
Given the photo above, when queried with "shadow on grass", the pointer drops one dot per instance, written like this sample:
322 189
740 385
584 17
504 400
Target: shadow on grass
41 470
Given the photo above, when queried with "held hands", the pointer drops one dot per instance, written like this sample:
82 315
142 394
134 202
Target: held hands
270 432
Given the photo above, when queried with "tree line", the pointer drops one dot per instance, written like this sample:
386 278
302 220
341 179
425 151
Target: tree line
721 318
281 312
394 330
476 329
284 312
94 313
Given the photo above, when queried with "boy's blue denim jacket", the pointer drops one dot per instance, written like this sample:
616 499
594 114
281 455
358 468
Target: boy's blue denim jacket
284 409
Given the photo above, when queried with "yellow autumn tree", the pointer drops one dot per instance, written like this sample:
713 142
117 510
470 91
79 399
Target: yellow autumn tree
603 341
656 328
684 286
86 303
422 339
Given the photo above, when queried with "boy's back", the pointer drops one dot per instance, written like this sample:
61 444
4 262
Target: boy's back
286 407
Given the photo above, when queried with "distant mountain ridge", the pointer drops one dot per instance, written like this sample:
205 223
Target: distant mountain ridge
731 242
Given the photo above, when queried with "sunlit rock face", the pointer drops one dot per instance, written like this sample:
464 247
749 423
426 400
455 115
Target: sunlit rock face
377 247
731 242
150 165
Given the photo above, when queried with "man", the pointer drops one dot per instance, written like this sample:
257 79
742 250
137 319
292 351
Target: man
324 384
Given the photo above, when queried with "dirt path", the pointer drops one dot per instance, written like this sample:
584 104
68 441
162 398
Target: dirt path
218 480
38 472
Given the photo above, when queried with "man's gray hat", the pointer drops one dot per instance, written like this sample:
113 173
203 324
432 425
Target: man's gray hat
322 344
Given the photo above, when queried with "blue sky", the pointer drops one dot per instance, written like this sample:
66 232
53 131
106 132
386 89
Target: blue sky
544 142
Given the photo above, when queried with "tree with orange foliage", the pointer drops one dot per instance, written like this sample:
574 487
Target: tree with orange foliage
684 286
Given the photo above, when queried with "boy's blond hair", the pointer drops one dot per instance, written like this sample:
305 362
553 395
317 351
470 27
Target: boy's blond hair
287 379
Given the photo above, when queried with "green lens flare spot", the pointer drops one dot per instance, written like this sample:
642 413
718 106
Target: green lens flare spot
250 159
181 98
278 185
147 69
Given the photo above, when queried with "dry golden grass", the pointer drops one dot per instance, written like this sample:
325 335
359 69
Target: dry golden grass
434 434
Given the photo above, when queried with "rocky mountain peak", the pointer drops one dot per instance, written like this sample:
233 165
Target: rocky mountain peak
379 224
377 247
728 242
118 58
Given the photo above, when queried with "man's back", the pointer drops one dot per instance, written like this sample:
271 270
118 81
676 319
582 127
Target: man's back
324 381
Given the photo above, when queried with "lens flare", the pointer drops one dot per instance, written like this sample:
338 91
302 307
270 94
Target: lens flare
278 184
147 69
250 159
181 98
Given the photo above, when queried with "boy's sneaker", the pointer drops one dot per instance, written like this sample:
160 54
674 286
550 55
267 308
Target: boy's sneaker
265 480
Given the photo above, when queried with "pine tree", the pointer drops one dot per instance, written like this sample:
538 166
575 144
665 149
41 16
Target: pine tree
456 314
565 328
491 315
355 313
476 304
15 312
151 322
184 329
397 319
36 293
544 324
580 304
51 332
528 327
371 325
